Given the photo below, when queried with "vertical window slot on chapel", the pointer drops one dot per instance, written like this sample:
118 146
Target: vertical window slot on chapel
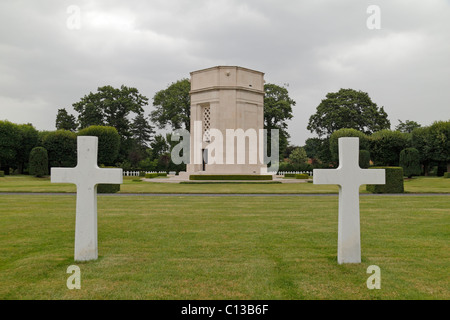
206 123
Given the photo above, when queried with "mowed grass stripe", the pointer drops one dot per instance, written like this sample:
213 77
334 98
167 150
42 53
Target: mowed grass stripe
224 248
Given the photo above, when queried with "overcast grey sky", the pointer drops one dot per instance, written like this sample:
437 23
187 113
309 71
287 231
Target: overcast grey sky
312 46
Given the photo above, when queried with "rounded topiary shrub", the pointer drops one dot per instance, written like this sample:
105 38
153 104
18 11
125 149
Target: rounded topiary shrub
38 162
108 142
394 181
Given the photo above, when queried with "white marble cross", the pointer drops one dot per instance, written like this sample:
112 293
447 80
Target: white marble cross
86 175
349 176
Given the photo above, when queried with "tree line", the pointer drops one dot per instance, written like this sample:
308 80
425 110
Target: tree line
127 138
350 113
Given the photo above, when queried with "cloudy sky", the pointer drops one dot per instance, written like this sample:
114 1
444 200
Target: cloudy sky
52 53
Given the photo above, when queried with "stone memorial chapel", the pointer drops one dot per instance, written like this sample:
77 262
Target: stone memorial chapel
226 100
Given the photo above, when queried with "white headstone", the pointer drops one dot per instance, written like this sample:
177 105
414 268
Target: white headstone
349 176
86 175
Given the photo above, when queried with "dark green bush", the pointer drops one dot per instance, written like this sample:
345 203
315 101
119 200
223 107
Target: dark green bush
394 181
38 163
61 147
301 176
108 142
344 133
410 162
151 175
446 175
162 174
229 177
364 159
108 188
2 173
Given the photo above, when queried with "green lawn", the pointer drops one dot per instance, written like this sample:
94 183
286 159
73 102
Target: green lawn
30 184
224 248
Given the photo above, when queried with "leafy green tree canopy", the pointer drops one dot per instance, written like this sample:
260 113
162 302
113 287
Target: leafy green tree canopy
173 106
298 156
348 108
10 140
407 126
386 145
65 120
110 107
142 132
277 111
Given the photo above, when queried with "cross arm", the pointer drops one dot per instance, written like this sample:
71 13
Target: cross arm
63 175
109 175
327 176
373 176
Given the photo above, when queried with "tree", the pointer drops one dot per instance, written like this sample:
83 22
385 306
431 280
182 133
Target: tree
277 111
159 146
407 126
318 150
433 144
38 162
29 137
142 132
298 156
61 147
437 146
65 121
410 162
419 140
173 106
348 108
112 107
10 139
108 142
386 145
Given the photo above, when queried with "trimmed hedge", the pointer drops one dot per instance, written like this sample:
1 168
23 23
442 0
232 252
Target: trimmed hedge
154 175
446 175
394 181
229 177
301 176
2 173
108 188
230 182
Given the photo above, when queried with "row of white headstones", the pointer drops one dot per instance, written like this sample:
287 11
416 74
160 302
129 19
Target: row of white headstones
87 175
